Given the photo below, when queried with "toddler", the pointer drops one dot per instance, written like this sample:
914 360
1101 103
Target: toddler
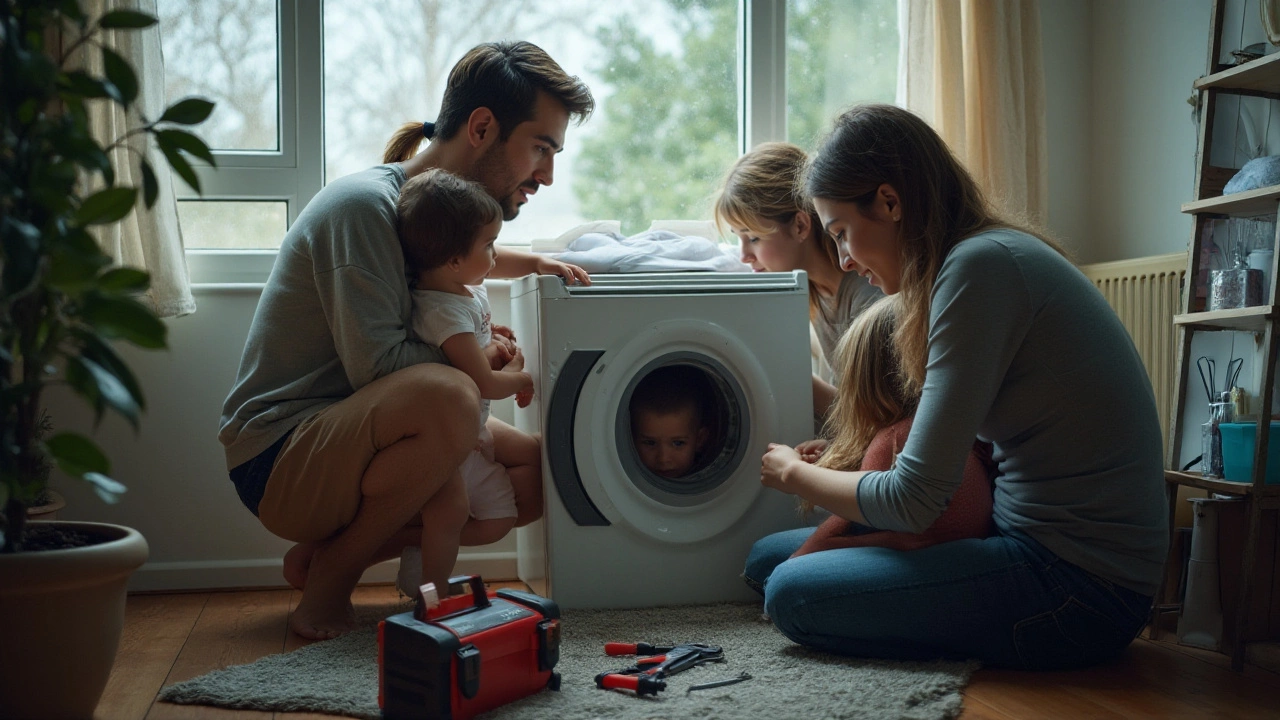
447 229
869 423
668 420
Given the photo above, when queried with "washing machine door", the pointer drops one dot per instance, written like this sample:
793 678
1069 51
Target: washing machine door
592 458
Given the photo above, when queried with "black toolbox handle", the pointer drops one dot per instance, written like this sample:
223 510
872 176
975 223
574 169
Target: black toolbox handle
479 595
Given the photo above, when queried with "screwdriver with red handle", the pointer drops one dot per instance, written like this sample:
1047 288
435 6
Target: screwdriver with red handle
617 648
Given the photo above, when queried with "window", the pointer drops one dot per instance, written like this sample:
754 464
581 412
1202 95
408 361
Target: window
308 92
839 53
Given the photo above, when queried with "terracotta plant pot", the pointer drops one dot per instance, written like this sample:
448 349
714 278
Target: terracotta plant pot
61 613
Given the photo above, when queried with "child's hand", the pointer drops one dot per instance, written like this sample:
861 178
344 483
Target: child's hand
499 352
572 274
516 364
774 466
524 395
811 450
504 333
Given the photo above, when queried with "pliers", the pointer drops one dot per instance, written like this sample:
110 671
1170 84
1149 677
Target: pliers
646 676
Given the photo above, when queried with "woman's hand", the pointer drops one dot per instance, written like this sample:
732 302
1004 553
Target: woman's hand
776 465
572 274
811 450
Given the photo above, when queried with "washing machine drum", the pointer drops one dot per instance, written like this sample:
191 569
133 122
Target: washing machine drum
594 463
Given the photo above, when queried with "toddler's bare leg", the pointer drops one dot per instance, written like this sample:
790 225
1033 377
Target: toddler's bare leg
483 532
521 454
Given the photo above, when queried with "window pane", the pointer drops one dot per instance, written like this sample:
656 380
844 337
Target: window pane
225 50
839 53
216 224
664 75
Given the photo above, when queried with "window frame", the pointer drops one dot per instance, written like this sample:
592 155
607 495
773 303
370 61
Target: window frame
294 173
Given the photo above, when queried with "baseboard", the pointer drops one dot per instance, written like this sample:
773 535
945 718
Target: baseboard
266 573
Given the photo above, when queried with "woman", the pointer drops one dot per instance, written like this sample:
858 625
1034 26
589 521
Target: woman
780 232
1008 342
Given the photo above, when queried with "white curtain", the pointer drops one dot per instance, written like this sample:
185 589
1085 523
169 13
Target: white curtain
149 240
973 70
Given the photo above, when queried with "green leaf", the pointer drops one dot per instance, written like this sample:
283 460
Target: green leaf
181 166
108 490
106 206
83 383
71 271
109 389
125 280
188 111
21 244
121 75
150 186
72 10
126 19
78 82
95 349
116 317
183 140
77 454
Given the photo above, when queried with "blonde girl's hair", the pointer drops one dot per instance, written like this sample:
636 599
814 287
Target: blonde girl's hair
762 192
873 145
505 77
438 216
871 391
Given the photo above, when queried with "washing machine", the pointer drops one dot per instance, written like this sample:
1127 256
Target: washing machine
614 533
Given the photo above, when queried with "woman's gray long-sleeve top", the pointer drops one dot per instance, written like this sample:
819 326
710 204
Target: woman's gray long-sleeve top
1025 353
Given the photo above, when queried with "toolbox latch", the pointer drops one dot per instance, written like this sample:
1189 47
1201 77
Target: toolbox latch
469 670
548 644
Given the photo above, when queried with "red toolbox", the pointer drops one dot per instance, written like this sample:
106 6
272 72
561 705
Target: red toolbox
470 654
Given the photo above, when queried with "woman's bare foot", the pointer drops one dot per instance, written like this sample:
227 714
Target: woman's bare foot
297 563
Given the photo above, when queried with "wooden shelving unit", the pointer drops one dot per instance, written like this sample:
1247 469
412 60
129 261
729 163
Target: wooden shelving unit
1260 77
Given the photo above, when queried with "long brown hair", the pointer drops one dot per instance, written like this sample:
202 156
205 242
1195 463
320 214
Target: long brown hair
871 391
762 192
872 145
505 77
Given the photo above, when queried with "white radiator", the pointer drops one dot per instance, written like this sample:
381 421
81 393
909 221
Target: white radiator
1146 294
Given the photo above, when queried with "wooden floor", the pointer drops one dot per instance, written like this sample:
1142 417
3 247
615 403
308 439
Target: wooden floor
169 638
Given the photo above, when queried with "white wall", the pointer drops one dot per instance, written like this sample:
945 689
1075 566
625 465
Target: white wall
1066 47
1145 55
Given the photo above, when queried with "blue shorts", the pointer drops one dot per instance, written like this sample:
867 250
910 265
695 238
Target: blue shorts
250 478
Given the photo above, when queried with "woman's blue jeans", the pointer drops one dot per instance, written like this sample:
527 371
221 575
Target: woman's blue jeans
1006 600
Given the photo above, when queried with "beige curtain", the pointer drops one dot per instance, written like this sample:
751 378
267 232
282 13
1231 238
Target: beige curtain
973 69
150 240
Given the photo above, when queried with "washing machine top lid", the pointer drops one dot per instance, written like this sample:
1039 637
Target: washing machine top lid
687 283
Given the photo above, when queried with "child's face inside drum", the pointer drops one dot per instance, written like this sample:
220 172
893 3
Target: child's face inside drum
669 443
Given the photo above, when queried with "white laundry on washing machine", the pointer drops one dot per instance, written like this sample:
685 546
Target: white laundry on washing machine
615 533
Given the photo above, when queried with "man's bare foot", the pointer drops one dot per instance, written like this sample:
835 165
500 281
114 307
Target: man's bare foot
297 563
318 621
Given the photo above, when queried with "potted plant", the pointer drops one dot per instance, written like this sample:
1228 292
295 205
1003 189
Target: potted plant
62 305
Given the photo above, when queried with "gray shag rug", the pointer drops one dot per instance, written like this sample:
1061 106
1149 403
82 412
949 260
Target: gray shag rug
340 676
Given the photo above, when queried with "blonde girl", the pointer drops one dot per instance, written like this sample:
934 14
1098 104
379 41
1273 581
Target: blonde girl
761 203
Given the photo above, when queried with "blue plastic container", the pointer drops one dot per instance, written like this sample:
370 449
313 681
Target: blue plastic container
1237 452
